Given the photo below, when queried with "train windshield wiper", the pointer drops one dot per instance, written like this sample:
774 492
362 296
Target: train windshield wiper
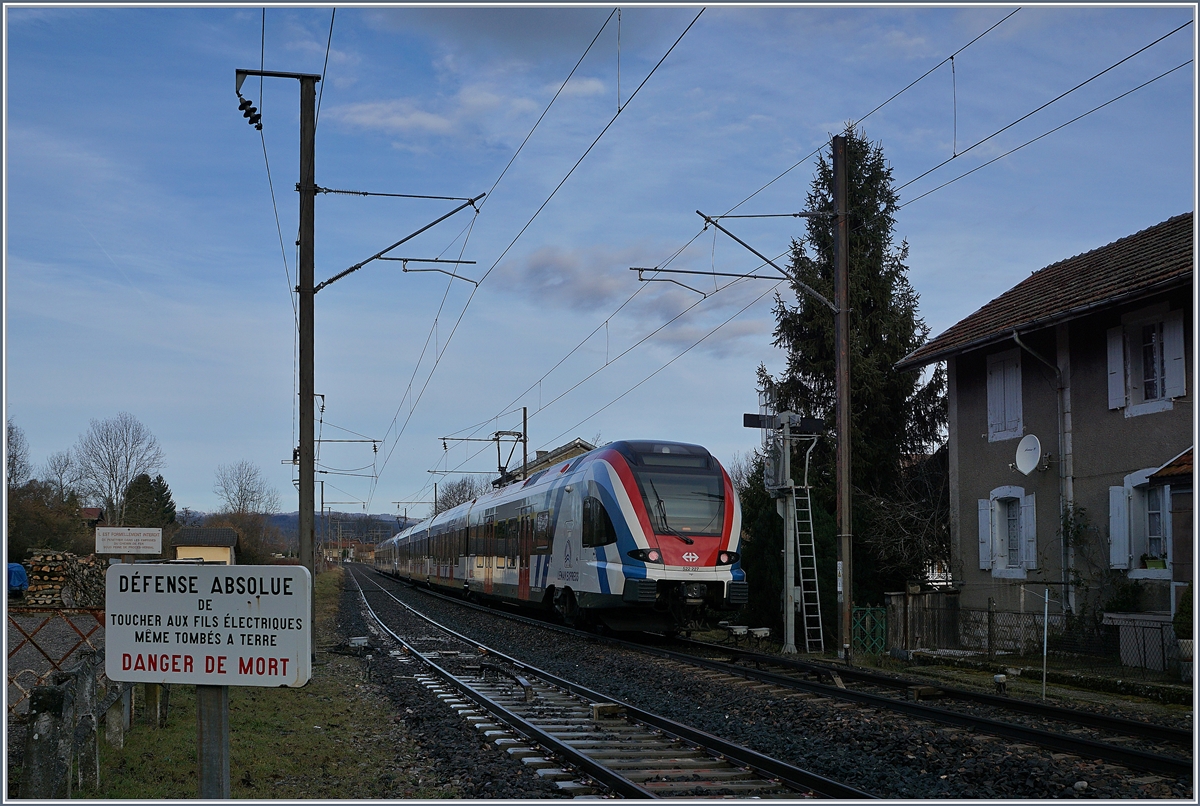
662 513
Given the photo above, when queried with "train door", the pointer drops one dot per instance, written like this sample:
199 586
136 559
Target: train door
524 549
489 555
566 551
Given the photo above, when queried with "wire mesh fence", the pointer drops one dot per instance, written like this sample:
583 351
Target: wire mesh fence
42 641
1121 645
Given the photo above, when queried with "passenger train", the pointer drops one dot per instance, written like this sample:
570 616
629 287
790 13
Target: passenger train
632 535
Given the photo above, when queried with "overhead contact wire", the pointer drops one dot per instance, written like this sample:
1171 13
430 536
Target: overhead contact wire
547 201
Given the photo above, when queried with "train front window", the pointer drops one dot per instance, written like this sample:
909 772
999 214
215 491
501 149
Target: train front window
683 503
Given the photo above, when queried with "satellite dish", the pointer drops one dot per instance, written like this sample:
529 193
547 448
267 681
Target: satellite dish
1029 453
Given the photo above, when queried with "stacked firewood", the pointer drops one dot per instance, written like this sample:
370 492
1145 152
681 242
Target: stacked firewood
85 582
47 575
59 578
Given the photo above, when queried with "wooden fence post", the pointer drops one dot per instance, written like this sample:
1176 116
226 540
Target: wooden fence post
153 700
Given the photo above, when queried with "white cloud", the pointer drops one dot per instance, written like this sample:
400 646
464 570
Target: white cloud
471 108
582 87
392 116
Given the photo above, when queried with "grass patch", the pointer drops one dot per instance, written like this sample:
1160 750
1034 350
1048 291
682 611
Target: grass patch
334 738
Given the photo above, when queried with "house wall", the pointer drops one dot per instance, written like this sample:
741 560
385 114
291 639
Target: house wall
1106 445
1183 536
1109 445
983 466
210 554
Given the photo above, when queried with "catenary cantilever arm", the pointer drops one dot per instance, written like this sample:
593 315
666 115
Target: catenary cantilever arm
769 262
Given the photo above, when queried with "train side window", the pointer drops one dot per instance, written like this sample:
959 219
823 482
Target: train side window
597 526
543 538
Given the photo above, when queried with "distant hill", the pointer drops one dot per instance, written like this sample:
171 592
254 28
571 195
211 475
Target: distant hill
349 525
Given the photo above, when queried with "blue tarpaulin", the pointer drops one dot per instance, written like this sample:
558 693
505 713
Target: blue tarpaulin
17 579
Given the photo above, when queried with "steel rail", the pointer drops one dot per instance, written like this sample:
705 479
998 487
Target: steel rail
605 776
1145 730
794 777
1090 748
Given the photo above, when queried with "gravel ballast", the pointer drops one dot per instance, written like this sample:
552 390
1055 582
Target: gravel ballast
880 752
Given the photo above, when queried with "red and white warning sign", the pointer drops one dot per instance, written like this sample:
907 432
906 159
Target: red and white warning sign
239 625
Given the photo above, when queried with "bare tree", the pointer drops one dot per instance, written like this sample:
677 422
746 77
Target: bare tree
186 517
111 455
911 530
247 501
16 456
459 491
243 490
740 469
62 472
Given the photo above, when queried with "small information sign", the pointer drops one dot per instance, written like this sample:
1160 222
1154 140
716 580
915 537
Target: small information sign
215 625
128 540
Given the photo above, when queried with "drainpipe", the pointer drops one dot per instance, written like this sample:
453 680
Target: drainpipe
1065 561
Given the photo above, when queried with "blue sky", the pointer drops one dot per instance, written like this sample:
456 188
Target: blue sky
144 270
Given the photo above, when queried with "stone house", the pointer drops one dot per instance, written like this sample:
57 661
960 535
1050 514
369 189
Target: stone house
1093 355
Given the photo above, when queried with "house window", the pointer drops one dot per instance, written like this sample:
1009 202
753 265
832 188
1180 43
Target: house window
1154 522
1004 395
1146 361
1139 521
1010 511
1153 371
1008 532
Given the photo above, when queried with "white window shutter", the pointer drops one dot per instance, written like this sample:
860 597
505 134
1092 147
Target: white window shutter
1173 352
1012 397
995 397
985 534
1029 529
1118 527
1116 367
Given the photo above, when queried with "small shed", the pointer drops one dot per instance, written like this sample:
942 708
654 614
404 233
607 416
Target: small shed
212 544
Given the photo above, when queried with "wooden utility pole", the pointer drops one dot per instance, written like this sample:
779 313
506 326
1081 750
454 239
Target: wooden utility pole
841 290
308 196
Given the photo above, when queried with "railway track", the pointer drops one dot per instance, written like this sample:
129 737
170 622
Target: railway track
1078 732
587 742
1120 729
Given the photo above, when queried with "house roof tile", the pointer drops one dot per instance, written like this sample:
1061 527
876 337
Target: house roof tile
1178 468
205 536
1157 257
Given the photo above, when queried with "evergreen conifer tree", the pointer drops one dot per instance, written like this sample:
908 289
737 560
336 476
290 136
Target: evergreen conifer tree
896 417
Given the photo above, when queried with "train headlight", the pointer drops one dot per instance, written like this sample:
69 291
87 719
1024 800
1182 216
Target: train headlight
647 555
728 557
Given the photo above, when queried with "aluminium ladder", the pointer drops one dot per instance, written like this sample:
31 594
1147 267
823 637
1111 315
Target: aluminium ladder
807 593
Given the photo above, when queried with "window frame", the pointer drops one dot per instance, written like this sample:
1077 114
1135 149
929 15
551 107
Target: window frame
1128 525
1126 364
994 532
